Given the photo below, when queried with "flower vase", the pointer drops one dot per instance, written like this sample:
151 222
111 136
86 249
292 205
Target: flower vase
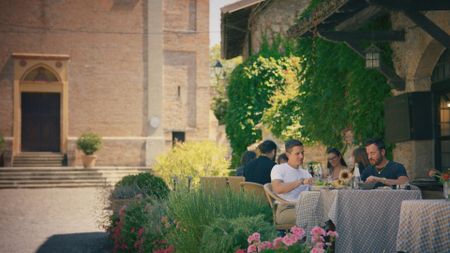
446 190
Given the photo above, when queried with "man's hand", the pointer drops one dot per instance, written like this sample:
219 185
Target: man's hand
373 179
309 181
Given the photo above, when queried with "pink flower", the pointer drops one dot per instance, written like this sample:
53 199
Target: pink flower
264 245
317 250
240 251
255 237
299 232
277 242
319 245
252 248
140 232
288 240
318 231
332 234
132 230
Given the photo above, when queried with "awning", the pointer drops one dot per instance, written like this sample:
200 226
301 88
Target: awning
234 24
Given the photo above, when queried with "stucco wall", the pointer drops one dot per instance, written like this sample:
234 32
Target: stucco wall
414 60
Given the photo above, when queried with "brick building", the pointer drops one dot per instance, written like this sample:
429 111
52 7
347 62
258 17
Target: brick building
134 71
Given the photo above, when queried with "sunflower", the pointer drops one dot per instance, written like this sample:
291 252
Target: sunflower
345 176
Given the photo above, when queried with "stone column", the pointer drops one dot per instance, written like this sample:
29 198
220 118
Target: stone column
155 50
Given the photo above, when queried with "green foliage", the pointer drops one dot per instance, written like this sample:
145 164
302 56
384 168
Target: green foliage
228 235
194 211
144 183
219 103
250 90
141 227
322 88
192 159
89 143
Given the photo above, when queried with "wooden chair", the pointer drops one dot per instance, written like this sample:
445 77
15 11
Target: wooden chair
274 201
213 184
234 182
254 188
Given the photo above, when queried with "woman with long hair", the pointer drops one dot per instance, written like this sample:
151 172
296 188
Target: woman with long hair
360 158
335 163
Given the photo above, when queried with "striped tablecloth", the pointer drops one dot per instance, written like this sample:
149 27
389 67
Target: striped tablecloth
424 226
366 220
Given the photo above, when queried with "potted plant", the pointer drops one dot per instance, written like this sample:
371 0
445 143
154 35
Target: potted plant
89 143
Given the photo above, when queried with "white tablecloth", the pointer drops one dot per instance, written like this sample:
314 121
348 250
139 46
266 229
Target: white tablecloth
366 220
424 226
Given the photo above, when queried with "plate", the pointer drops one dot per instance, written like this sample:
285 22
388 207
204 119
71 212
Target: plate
367 186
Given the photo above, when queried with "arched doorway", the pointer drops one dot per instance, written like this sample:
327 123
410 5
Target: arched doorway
40 120
441 93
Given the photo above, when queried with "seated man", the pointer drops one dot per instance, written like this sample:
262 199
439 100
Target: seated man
382 171
258 170
289 179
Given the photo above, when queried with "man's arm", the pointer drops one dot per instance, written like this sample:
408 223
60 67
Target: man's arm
398 181
280 187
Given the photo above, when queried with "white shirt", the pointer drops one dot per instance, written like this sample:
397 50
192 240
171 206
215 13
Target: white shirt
287 174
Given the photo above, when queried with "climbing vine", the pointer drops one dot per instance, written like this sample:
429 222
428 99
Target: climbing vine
312 91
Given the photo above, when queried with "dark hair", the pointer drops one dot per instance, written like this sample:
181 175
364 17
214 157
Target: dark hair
267 146
338 154
247 156
361 158
281 157
378 142
292 143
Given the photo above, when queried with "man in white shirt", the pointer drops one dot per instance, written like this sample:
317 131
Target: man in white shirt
289 179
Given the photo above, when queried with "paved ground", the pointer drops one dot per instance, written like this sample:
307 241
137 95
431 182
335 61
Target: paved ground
52 220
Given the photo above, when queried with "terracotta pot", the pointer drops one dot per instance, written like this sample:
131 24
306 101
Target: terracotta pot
89 161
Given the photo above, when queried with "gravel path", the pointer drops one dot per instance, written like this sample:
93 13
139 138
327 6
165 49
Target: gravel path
52 220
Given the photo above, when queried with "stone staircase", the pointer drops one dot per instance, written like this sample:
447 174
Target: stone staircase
64 177
38 159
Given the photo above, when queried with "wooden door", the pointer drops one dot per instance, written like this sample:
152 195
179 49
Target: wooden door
40 122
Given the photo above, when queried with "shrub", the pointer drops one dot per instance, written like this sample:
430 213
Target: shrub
228 235
89 143
141 227
194 211
144 183
192 159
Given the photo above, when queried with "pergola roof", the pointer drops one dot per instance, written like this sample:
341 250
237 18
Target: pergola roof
234 23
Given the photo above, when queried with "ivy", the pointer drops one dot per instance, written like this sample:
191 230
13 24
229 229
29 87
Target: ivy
310 90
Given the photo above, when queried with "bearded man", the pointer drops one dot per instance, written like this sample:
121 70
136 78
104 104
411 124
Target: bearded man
382 171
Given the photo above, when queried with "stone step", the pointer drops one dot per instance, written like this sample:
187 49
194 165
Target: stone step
48 177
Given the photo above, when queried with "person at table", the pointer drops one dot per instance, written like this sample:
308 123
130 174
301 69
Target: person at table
382 171
289 180
246 158
335 163
282 158
360 158
258 170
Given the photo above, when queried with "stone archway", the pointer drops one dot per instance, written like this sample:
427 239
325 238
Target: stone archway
428 60
40 103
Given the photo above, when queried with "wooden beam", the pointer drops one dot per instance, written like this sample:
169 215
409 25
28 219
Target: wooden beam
360 18
429 26
363 36
394 80
417 5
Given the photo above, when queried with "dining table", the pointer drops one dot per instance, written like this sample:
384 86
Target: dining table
365 220
424 226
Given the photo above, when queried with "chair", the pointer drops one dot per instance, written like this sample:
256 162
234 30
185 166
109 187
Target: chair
234 182
274 201
213 184
254 188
